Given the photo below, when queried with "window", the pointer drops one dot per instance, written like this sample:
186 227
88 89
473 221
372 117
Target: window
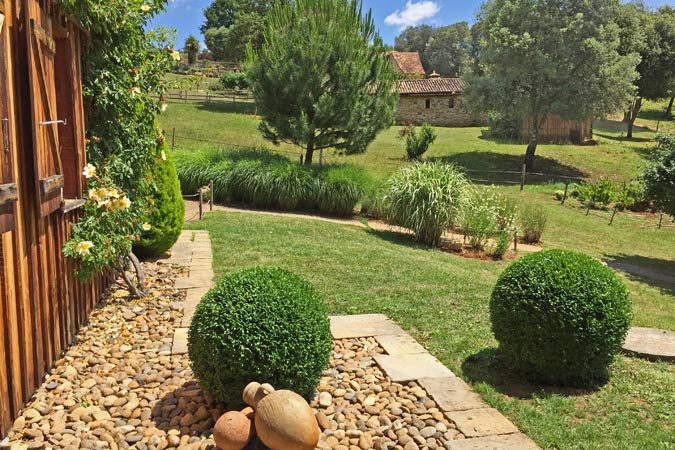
427 103
451 103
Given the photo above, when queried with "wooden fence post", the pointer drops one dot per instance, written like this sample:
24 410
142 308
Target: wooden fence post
522 180
211 195
660 220
201 203
612 219
515 240
173 139
567 184
321 157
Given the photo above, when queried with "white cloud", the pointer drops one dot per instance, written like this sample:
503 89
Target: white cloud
413 13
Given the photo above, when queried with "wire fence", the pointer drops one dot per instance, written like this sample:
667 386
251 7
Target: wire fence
520 178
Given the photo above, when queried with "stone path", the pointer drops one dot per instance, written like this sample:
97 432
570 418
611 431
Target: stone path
650 343
192 251
405 360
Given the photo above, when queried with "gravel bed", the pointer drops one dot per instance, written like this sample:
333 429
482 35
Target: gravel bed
119 387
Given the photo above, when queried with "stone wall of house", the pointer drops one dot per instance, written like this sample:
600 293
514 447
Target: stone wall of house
413 109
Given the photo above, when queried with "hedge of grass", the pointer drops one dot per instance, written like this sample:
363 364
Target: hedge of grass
257 177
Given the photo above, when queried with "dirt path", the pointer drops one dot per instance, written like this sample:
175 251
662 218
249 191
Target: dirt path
192 214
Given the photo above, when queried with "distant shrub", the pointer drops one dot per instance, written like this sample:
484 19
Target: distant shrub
532 220
233 80
259 324
560 317
167 211
659 180
504 126
601 192
502 244
479 220
426 198
417 142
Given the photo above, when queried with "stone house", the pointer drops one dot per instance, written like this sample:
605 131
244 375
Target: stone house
407 64
436 101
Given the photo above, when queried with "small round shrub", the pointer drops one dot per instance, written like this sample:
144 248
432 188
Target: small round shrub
167 211
560 317
259 324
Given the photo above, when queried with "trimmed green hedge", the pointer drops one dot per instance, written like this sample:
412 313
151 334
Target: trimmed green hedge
259 324
560 317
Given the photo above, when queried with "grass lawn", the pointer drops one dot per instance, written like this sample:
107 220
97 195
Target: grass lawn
442 300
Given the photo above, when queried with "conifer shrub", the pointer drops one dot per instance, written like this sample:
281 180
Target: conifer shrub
259 324
560 317
167 212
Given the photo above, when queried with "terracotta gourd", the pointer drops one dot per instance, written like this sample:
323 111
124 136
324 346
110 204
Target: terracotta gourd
254 392
284 421
232 431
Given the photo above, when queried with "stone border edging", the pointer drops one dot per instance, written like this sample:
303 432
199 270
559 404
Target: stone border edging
406 360
650 343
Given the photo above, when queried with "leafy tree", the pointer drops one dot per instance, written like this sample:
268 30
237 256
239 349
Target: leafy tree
448 51
657 66
192 49
659 179
233 80
545 57
322 79
218 14
414 39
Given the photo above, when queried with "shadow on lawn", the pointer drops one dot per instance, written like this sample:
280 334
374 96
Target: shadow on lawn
398 237
658 273
228 107
481 168
487 367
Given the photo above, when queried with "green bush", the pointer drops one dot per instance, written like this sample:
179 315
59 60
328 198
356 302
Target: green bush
426 198
479 220
233 80
504 126
167 211
601 192
532 220
659 180
417 142
259 324
502 244
340 188
560 317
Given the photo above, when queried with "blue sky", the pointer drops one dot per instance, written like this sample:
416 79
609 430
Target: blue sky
391 16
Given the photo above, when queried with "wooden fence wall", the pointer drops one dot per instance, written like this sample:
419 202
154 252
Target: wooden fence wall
42 148
558 131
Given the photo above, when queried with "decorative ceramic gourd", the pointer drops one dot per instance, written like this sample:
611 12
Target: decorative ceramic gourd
254 392
233 431
284 421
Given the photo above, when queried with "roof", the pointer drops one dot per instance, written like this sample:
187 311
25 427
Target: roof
408 63
431 86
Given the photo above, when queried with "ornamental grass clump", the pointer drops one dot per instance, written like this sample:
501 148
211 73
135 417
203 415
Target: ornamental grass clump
340 188
259 324
560 317
426 198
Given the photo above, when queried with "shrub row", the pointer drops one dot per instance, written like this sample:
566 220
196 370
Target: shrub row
605 193
263 179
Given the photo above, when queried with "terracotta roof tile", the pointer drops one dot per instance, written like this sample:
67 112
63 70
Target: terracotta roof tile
431 86
408 63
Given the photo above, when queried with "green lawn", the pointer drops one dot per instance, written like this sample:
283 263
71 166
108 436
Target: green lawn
442 300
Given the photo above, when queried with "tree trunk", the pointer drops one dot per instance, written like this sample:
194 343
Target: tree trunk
669 110
633 113
532 145
309 152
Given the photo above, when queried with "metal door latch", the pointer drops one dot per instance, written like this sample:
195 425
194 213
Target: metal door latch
51 122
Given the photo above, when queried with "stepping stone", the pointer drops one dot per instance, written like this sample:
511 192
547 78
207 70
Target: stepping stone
403 368
362 325
191 283
399 344
517 441
452 394
481 422
194 296
180 340
650 343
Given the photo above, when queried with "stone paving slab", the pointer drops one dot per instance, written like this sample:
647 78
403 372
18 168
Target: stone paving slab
399 344
516 441
353 326
481 422
180 341
650 343
452 394
402 368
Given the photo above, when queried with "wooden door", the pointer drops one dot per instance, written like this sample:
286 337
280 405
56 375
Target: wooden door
8 189
46 150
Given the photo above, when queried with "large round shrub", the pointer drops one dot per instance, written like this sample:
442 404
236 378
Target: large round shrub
167 211
426 198
560 317
259 324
